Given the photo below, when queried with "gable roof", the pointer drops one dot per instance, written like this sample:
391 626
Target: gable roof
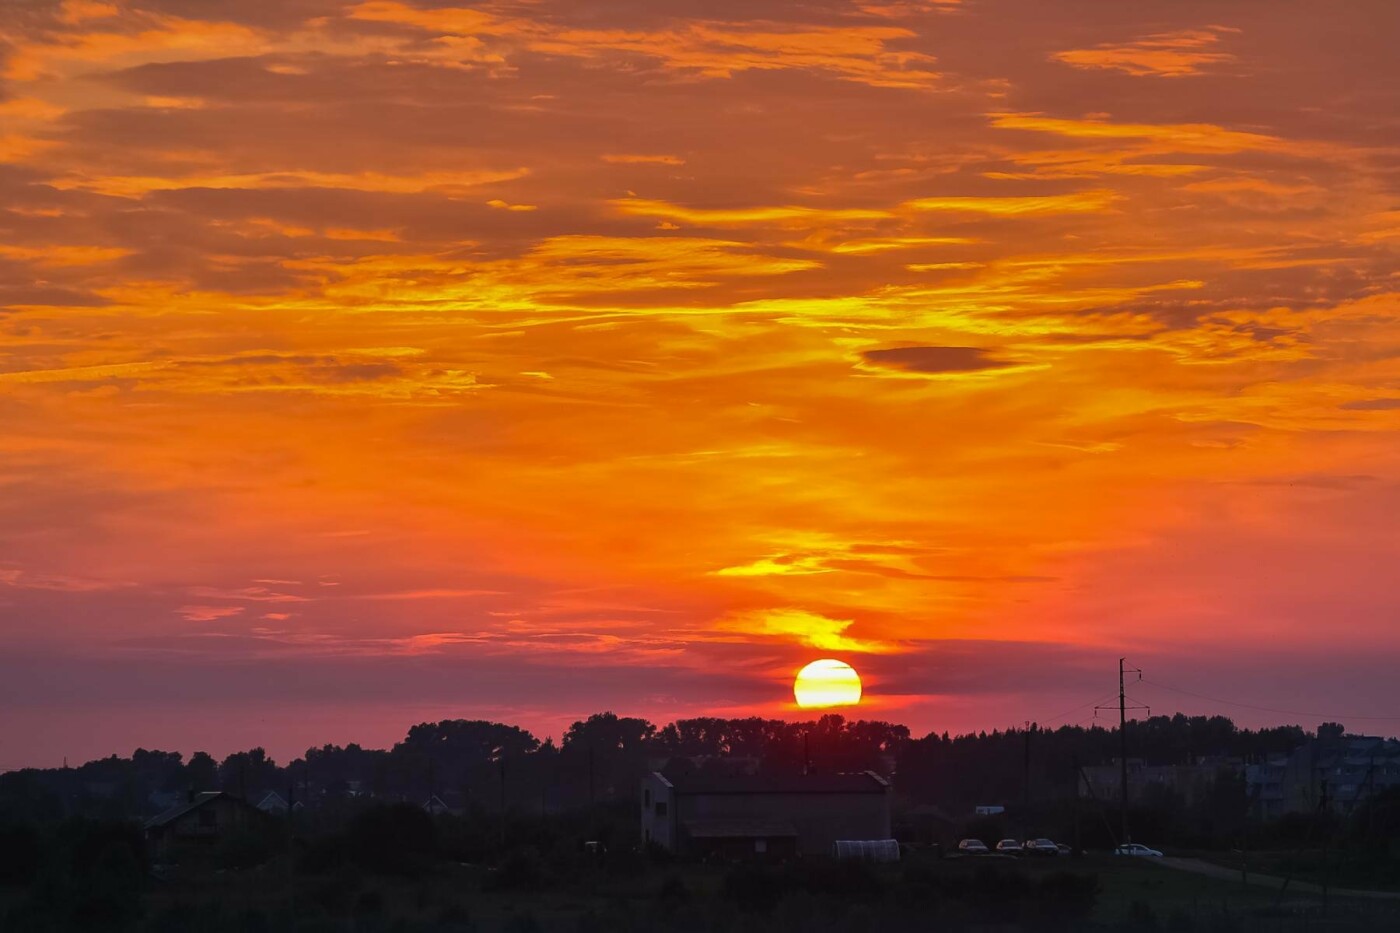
273 801
864 782
179 810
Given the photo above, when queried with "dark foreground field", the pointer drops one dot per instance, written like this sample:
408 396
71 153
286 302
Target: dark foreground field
529 892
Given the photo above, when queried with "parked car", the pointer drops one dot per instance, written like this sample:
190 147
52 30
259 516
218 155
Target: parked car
1009 847
1134 848
1041 847
973 847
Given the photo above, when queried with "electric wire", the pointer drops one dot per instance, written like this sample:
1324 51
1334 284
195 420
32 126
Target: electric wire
1270 709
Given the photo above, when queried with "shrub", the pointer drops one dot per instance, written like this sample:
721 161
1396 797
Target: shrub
673 891
18 844
523 923
369 904
850 881
335 894
753 888
397 839
1065 896
1142 917
246 848
524 869
995 894
454 917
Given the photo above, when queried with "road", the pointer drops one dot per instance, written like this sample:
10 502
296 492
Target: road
1267 881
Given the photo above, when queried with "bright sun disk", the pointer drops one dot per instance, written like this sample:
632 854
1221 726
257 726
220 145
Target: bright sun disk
827 683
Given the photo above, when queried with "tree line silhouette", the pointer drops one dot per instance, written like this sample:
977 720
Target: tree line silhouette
490 766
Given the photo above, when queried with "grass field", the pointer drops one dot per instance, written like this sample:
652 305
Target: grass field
1135 894
1355 870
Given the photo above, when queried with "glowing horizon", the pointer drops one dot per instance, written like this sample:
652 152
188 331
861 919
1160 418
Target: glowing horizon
369 361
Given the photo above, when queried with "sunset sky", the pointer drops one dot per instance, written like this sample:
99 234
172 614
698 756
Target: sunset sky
364 362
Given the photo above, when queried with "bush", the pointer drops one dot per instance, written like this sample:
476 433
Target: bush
673 892
993 893
397 839
454 917
849 881
108 894
92 874
323 854
1065 896
335 894
755 889
18 844
523 870
1142 917
246 848
523 923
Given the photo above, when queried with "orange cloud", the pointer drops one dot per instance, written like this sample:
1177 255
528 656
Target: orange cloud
1170 55
789 215
927 354
1073 203
1172 137
637 159
808 628
445 182
63 255
862 54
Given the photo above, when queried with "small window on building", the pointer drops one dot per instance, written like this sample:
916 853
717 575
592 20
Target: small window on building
207 817
646 797
660 808
760 846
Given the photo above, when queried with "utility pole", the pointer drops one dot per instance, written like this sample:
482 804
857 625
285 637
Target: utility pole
1123 708
1026 763
1123 750
1078 777
503 800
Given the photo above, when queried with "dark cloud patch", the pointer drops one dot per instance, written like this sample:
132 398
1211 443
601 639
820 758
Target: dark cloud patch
1372 404
1340 481
933 360
39 294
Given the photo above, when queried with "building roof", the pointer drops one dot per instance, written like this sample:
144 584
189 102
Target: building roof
273 801
865 782
739 829
179 810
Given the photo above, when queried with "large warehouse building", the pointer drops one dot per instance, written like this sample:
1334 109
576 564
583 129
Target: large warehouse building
761 815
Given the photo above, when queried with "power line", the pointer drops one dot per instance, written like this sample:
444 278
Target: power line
1270 709
1078 708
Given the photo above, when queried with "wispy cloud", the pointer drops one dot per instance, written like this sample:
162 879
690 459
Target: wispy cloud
1169 55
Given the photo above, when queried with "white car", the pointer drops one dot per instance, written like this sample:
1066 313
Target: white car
1133 848
1009 847
972 847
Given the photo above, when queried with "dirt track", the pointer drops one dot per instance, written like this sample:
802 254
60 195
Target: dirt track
1267 881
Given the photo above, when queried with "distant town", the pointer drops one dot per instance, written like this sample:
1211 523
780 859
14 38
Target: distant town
712 801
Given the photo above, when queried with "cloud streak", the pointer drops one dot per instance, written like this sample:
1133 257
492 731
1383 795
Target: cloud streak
689 341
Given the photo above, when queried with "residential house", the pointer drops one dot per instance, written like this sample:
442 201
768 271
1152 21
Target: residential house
199 824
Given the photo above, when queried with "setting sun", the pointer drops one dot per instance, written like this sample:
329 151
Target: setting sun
827 683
